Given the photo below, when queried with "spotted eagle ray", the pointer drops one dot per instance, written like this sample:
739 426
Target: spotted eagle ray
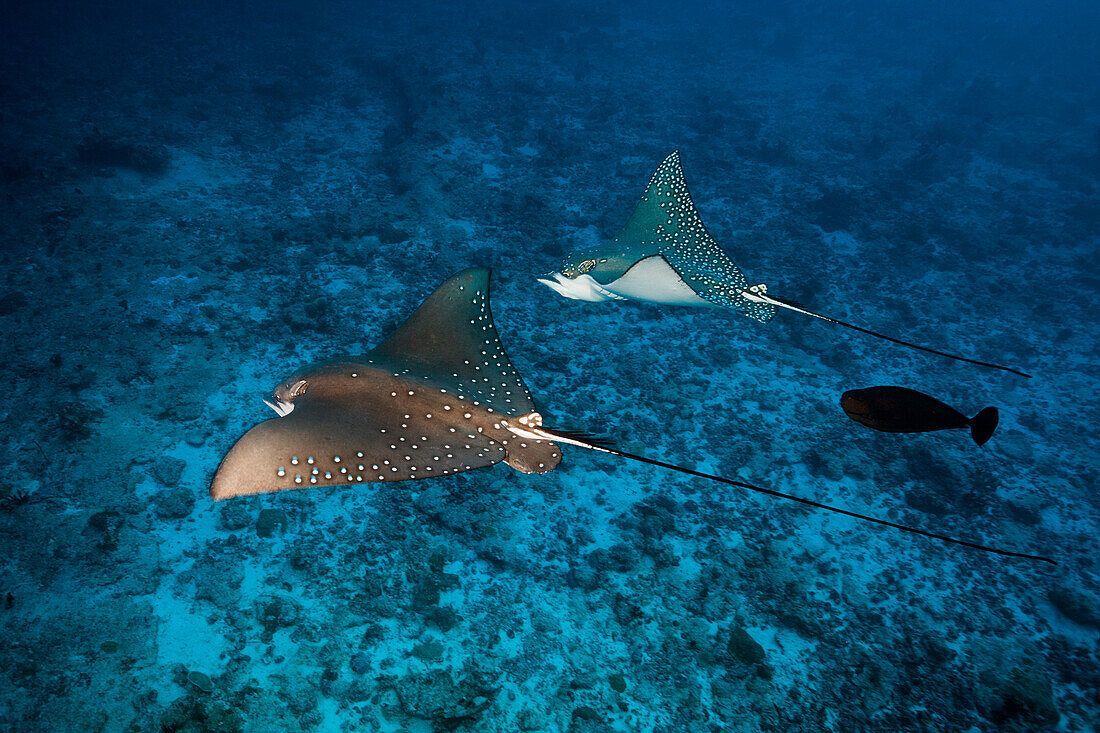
665 255
438 397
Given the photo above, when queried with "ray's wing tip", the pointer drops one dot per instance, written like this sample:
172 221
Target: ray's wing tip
474 272
477 277
221 488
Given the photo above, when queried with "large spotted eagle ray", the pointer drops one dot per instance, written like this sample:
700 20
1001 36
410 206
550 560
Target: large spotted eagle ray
665 254
437 397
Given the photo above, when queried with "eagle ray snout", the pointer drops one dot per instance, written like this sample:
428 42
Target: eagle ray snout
553 280
281 407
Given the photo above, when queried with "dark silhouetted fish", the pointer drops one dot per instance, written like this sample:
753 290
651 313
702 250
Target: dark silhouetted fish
904 410
436 398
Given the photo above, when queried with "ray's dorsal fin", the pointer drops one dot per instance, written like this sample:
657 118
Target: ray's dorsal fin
452 334
666 222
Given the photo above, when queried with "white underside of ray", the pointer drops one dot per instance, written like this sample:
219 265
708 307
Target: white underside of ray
582 287
651 280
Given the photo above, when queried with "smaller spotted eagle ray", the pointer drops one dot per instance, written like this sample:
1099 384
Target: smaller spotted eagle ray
438 397
665 255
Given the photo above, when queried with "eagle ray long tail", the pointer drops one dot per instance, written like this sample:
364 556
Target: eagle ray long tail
586 442
758 296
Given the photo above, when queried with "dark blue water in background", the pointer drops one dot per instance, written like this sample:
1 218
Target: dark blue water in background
196 200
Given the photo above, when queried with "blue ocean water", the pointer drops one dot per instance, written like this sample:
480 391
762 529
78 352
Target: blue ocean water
197 199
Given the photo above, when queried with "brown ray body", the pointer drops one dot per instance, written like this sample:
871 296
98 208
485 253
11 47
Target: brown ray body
433 399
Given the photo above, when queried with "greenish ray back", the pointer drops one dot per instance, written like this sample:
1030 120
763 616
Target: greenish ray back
665 222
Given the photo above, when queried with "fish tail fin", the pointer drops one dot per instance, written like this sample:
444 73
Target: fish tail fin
983 424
